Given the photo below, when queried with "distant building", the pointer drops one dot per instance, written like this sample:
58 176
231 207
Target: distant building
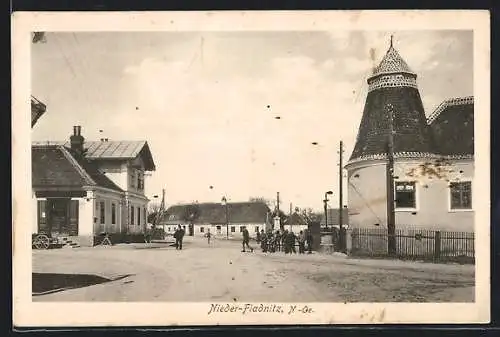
296 222
433 157
255 216
333 218
82 189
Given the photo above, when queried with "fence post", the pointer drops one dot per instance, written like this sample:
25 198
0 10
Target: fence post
437 245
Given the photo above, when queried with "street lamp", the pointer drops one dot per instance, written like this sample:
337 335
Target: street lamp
224 203
326 207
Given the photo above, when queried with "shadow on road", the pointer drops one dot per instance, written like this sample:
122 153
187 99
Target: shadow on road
47 283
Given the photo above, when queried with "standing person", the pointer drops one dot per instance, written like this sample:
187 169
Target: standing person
181 236
176 236
309 239
302 242
246 240
278 241
291 242
284 235
263 243
258 236
208 235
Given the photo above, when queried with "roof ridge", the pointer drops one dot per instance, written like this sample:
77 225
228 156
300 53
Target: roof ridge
463 100
77 165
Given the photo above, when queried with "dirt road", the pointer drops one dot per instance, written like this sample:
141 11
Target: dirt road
220 272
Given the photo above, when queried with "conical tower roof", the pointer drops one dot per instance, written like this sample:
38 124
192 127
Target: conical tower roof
392 63
392 84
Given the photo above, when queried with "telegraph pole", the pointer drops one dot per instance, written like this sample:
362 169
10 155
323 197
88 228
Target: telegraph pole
391 217
341 181
341 200
278 209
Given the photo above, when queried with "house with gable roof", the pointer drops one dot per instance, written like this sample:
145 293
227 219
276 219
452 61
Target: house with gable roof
433 157
219 220
82 189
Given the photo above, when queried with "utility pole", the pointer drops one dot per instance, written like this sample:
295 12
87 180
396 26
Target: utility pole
278 209
391 217
341 201
290 217
341 183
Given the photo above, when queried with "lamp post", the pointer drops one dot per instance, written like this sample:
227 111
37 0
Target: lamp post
326 207
224 203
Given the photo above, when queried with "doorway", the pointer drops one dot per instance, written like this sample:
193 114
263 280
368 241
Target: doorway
58 217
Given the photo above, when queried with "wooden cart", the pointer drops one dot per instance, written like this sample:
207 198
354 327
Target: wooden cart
43 241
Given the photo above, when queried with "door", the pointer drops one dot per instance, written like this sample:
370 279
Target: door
58 216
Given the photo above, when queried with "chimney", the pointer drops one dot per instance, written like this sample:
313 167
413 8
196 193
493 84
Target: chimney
76 140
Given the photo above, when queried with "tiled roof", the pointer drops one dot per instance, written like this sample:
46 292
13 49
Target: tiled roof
392 63
113 150
411 132
452 125
333 217
240 212
56 166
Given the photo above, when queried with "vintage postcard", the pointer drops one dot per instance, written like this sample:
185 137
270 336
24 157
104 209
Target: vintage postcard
233 168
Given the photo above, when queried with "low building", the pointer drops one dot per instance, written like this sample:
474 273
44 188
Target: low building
295 223
221 221
83 189
334 218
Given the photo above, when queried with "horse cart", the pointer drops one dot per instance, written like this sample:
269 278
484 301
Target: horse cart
44 241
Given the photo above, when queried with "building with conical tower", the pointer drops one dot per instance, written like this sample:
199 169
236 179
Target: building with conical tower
428 161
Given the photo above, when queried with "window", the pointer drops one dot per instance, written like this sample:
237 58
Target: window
113 213
405 194
138 216
256 229
233 229
241 229
103 212
202 229
140 180
461 195
132 215
218 228
132 178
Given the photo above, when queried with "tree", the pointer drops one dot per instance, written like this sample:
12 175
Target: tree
311 216
154 209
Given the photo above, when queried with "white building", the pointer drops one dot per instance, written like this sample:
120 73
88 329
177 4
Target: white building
221 220
83 189
433 157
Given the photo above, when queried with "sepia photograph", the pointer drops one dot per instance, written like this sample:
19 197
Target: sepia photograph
256 171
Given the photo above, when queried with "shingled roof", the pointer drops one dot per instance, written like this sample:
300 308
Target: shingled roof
239 212
393 95
452 124
113 150
54 166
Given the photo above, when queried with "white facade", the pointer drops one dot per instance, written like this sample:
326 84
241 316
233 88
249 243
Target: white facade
367 190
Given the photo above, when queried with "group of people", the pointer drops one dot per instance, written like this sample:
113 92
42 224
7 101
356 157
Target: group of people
285 241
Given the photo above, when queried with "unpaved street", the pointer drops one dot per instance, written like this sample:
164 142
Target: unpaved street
220 272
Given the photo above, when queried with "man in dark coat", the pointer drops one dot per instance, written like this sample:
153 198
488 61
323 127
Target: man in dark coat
309 240
246 240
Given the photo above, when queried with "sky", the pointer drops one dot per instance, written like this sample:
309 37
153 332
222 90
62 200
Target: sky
208 102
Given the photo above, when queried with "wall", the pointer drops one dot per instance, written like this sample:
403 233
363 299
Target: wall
109 198
115 170
136 201
367 195
222 233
